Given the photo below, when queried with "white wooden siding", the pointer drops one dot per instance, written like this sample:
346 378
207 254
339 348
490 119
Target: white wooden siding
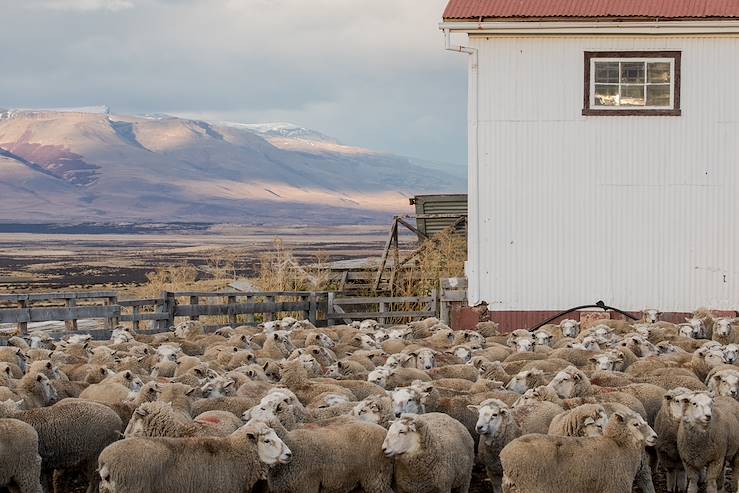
636 211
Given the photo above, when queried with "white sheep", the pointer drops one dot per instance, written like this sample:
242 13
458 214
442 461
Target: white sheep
433 453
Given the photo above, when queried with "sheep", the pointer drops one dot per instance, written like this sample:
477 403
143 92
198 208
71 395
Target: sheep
376 409
708 436
666 425
525 380
230 464
159 419
336 455
295 377
433 453
20 463
704 359
36 391
724 382
588 420
724 331
543 463
465 372
71 435
497 428
535 416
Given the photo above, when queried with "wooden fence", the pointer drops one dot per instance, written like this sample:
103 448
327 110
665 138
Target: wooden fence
396 309
233 307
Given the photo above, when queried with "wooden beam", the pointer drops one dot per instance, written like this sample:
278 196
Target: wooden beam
412 228
376 315
386 253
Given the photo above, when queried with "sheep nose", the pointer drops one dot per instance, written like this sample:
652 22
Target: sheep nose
288 454
480 429
707 417
397 414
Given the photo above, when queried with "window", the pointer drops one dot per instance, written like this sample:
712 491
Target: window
632 83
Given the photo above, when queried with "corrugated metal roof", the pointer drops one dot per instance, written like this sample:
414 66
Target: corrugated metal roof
667 9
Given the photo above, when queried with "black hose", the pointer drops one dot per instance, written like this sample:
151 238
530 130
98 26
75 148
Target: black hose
600 304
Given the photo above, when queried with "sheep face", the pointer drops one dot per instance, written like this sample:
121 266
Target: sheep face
725 383
402 437
287 323
638 428
406 401
308 362
368 410
270 448
570 328
425 359
324 341
523 344
593 426
368 325
543 337
565 382
463 353
378 376
698 327
677 400
731 353
651 315
398 360
723 326
492 415
220 387
713 357
46 390
330 400
135 426
607 362
590 343
520 382
698 409
364 341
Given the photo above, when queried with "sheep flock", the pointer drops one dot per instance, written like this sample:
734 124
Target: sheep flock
608 406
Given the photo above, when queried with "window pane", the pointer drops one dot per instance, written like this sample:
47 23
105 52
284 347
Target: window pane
632 95
632 72
658 72
606 95
658 95
606 72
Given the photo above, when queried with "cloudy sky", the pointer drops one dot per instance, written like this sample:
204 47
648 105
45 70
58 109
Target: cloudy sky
369 72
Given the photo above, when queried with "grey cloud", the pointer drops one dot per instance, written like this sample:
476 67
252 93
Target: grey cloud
371 73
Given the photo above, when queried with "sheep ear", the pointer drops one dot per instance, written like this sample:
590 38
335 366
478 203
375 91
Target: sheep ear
593 359
619 416
7 370
128 375
228 384
189 392
339 364
252 436
265 365
668 397
141 412
39 377
589 421
473 408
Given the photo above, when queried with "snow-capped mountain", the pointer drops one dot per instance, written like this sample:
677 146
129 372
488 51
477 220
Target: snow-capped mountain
78 165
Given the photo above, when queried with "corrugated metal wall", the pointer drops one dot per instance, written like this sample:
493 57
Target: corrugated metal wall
636 211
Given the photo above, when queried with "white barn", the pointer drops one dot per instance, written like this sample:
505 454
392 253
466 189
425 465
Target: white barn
603 152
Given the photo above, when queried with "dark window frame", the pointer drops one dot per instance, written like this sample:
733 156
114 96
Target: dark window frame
675 111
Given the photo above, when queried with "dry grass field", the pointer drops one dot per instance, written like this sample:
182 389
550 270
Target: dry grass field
46 262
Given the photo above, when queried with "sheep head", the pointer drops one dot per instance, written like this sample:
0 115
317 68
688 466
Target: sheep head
698 409
270 448
406 400
570 328
725 383
403 436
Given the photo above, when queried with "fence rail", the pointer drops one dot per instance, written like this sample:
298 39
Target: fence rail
235 307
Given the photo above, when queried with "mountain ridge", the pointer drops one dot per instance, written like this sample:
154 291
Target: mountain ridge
101 166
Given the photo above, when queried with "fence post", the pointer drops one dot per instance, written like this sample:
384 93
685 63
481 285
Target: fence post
313 311
443 305
306 312
22 326
269 316
194 300
136 313
113 321
71 325
171 306
433 305
382 319
330 308
232 310
250 318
